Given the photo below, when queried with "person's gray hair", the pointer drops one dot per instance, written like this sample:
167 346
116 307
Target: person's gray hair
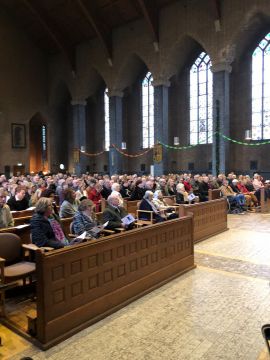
85 204
42 205
110 198
147 194
115 186
3 192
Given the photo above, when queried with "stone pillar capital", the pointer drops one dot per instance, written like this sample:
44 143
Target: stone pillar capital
78 102
222 66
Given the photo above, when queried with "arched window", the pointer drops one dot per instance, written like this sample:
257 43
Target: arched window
107 120
147 111
201 100
261 90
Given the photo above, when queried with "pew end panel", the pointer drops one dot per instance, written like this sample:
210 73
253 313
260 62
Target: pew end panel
80 285
210 218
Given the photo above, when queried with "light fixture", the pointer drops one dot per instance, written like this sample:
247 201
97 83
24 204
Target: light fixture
19 164
62 166
176 140
83 148
248 135
124 145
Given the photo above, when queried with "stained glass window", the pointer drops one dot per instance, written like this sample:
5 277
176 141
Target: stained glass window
201 101
43 137
147 111
44 142
261 90
107 120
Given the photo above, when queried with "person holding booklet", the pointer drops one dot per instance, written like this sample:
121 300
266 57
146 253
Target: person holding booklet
148 205
84 220
165 211
115 215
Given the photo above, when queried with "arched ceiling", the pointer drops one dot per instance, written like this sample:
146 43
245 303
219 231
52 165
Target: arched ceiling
60 25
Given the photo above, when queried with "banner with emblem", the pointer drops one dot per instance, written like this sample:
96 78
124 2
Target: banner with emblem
157 153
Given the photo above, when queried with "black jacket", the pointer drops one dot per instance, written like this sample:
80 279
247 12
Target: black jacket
114 216
203 191
137 193
42 232
144 205
105 192
17 205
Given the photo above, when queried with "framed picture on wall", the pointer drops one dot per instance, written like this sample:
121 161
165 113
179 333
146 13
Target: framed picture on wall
18 135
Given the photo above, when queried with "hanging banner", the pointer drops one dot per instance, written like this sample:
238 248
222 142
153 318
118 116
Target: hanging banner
157 153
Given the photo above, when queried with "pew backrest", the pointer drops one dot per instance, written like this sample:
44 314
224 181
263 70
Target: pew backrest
81 284
214 194
22 231
23 213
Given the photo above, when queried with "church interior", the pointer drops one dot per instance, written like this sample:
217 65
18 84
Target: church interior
154 88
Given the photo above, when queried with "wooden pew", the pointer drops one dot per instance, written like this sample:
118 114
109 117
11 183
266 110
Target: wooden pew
23 213
214 194
81 284
22 220
22 232
265 203
210 217
25 231
131 206
65 222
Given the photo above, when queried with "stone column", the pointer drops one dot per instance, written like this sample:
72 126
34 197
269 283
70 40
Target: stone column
221 117
161 119
116 131
79 135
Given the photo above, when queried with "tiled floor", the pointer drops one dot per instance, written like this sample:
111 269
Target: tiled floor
213 312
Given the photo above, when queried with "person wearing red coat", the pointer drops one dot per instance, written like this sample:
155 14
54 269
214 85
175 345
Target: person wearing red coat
94 194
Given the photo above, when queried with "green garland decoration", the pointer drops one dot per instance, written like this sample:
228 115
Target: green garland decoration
220 134
177 147
244 143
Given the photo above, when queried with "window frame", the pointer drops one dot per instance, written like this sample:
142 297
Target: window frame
148 141
203 58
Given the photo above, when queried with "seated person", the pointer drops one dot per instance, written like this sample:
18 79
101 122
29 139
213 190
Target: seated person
94 194
171 187
203 188
114 213
84 220
138 191
236 189
42 231
148 205
69 206
18 202
165 211
116 192
181 194
228 192
6 218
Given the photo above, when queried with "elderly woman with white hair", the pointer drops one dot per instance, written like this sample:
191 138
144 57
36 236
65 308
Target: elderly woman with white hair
116 192
165 210
181 194
147 204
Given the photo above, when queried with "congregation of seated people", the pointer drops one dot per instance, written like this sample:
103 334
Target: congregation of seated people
60 196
